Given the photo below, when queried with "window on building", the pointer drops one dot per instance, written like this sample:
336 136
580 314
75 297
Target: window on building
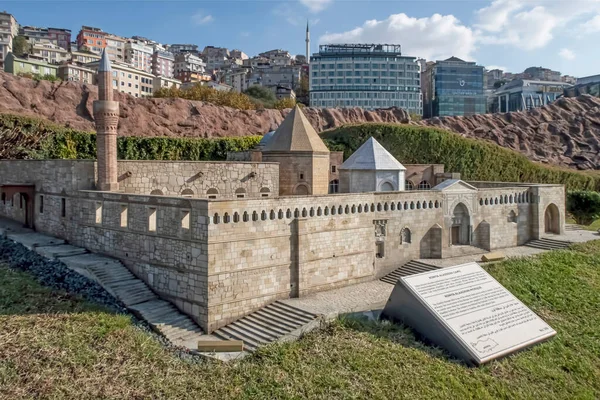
41 203
405 236
334 186
63 207
240 193
380 249
99 212
152 219
301 176
123 216
212 193
333 168
424 185
408 185
185 219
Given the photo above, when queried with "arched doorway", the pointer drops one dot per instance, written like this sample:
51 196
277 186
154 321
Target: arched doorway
301 190
386 187
552 219
460 230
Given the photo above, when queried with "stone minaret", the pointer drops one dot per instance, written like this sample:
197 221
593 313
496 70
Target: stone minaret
307 44
106 114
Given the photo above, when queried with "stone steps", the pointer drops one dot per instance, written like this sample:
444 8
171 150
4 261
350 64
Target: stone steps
410 268
117 280
266 325
548 244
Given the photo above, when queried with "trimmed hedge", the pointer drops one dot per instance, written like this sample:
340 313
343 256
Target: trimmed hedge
32 138
476 160
25 137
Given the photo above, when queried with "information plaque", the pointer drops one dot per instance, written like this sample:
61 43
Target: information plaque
467 312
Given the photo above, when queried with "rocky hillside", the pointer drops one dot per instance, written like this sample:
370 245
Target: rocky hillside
71 103
566 133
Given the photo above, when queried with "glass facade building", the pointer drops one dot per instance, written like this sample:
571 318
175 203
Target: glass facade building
454 87
366 76
524 94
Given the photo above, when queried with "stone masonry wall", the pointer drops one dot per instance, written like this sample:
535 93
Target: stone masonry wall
194 179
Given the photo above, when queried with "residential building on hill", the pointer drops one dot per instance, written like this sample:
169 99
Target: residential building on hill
541 74
115 47
215 57
28 65
182 48
139 55
189 68
94 39
524 94
238 55
71 71
59 36
84 57
163 64
126 79
236 78
278 57
586 85
49 52
9 28
276 75
365 75
455 88
162 82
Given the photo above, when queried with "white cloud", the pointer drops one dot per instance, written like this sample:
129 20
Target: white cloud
566 54
495 16
316 5
201 19
592 25
434 38
286 12
244 34
492 67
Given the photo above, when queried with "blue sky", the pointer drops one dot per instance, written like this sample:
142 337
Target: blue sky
512 34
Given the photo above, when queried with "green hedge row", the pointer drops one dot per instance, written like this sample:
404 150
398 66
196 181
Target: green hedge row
476 160
25 137
32 138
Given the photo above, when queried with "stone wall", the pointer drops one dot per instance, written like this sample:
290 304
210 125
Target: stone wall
195 179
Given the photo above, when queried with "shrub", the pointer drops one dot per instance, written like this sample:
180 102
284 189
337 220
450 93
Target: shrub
284 103
209 95
584 206
475 159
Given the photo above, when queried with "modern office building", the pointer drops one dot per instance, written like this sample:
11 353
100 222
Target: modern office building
524 94
365 75
9 28
453 87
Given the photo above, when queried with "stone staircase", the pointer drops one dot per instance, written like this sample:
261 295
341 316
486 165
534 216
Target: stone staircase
117 280
548 244
269 324
410 268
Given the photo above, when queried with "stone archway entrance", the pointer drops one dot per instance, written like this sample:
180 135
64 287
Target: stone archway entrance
26 197
460 230
386 187
552 219
301 190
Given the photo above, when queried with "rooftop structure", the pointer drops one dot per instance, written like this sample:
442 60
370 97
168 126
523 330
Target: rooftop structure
369 76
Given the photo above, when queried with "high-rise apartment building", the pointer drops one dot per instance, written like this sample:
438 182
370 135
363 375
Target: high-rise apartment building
139 55
163 64
49 52
93 39
189 68
58 36
216 57
454 87
9 28
115 47
364 75
127 79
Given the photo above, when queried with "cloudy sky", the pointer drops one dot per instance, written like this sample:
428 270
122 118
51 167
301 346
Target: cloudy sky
510 34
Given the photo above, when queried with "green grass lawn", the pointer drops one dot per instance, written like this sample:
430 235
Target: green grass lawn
594 226
53 345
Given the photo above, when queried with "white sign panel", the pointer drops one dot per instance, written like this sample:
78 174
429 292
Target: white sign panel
478 311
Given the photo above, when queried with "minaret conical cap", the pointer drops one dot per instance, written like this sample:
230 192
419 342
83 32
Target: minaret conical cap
104 65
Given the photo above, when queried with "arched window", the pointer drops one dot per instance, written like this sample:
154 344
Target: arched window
334 186
296 213
216 218
212 193
437 204
288 213
245 217
187 192
263 215
265 192
424 185
319 212
254 216
311 213
156 192
408 185
236 217
240 193
226 218
304 213
272 215
405 236
280 214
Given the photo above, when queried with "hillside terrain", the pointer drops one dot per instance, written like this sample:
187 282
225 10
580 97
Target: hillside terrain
566 133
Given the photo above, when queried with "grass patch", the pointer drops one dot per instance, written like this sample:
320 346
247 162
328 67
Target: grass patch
53 345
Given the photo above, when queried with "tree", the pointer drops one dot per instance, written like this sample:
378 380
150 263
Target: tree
261 95
584 206
498 84
284 103
302 90
20 45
